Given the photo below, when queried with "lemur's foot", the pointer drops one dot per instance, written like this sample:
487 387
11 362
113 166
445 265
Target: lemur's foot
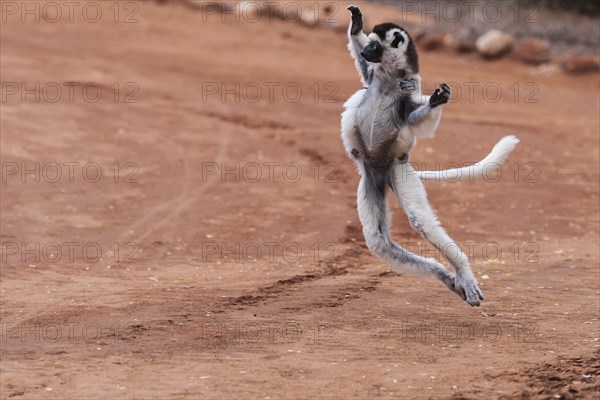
357 20
440 96
447 278
463 285
408 85
466 287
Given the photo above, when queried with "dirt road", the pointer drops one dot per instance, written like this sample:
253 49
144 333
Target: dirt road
168 234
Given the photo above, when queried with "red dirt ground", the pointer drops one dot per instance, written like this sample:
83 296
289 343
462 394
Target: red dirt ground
173 309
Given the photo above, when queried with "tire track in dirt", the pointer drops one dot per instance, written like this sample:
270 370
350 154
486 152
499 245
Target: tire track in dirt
185 198
181 201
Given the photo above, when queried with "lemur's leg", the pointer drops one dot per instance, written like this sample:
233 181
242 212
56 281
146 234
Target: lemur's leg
425 119
412 196
373 214
357 40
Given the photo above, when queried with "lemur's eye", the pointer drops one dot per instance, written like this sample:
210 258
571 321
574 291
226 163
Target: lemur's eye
398 38
374 46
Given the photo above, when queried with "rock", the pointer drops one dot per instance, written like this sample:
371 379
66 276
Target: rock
581 64
494 43
533 51
433 41
463 40
308 19
547 70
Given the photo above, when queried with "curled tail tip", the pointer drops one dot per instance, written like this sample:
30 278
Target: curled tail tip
506 144
510 139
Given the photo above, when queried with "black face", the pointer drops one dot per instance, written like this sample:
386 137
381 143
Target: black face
373 51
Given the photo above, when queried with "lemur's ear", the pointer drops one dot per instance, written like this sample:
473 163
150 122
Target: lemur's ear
398 38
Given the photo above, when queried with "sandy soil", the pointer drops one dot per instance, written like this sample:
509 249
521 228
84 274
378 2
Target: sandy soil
199 292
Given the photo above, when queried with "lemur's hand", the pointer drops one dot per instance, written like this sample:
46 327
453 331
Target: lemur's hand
440 97
357 20
408 85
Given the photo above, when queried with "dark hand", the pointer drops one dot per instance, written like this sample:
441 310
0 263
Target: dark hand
440 97
357 20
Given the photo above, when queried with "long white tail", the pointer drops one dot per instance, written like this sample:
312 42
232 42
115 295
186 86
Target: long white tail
496 157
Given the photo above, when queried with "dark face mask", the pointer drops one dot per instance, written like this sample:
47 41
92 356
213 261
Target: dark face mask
373 51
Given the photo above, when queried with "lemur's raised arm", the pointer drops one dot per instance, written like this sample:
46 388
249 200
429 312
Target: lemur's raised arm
357 41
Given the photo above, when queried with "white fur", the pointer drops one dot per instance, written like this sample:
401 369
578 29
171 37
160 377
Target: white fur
348 121
496 158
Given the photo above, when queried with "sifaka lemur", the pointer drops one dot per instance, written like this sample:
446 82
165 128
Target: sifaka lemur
380 126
